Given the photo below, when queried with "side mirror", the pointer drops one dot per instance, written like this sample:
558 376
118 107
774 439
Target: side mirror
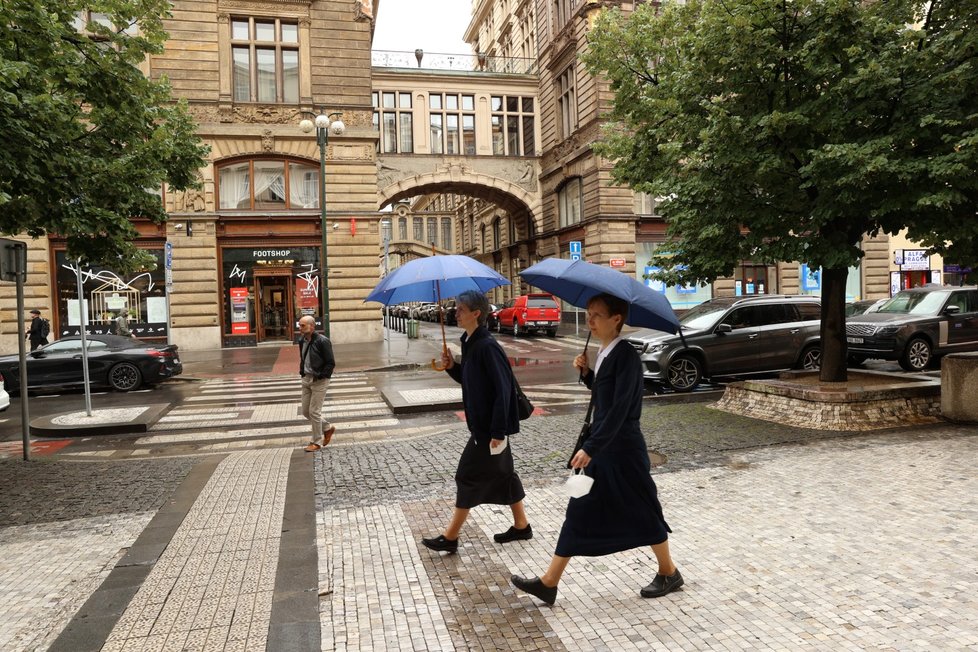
724 328
952 310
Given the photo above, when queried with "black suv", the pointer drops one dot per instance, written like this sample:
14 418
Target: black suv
916 326
734 336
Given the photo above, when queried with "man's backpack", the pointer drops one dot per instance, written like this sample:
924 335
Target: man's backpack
45 328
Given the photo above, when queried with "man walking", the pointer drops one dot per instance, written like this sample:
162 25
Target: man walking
39 331
316 366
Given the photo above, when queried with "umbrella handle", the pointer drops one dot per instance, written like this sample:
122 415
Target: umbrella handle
435 364
586 342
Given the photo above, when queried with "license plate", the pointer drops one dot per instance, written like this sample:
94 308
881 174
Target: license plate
854 340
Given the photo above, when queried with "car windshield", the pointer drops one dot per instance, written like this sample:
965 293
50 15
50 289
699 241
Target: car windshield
915 303
703 316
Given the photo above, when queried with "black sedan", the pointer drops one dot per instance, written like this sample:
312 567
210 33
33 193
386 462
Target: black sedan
122 363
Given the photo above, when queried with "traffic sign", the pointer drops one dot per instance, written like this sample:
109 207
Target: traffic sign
575 256
575 246
617 262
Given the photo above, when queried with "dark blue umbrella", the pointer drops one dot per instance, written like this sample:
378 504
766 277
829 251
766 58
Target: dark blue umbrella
435 277
576 281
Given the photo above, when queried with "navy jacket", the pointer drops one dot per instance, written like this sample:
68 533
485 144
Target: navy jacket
617 390
320 356
488 392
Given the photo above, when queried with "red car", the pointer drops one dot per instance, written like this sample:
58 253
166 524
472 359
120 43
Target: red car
529 313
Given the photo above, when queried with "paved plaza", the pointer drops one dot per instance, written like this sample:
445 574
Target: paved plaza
856 543
213 532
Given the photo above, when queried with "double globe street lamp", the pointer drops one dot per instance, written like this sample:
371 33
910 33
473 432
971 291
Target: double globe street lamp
324 126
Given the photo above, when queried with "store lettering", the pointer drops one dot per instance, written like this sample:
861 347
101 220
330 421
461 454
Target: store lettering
271 253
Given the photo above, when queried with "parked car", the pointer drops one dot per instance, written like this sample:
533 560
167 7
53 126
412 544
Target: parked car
530 313
734 336
492 321
449 307
864 306
419 309
917 326
122 363
4 396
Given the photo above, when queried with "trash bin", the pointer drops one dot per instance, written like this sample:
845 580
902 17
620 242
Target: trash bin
412 329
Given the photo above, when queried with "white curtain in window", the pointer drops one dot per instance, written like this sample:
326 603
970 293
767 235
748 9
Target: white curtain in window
235 192
269 176
303 187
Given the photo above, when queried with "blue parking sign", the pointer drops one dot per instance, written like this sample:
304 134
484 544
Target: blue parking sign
575 246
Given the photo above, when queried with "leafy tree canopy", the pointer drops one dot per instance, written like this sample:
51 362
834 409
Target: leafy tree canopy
806 122
88 139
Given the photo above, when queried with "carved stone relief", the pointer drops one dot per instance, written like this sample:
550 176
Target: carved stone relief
522 173
267 140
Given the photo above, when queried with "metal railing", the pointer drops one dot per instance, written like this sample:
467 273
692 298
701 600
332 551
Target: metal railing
479 63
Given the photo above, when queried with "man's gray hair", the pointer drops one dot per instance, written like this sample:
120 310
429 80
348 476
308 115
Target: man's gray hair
474 300
308 319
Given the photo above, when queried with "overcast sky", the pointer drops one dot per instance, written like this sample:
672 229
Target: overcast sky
432 25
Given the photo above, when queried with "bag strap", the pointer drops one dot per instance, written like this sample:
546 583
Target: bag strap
590 407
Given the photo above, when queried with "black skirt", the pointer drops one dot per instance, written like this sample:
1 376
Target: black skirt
485 479
621 512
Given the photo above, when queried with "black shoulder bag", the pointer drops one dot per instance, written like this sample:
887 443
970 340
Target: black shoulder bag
523 406
585 431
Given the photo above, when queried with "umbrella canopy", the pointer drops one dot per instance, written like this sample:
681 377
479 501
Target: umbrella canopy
576 281
435 278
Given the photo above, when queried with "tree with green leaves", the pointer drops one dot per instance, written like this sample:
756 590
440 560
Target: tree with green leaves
786 130
89 140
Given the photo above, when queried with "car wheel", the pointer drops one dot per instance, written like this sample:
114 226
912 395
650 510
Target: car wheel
516 328
685 373
125 377
552 333
917 355
811 358
856 360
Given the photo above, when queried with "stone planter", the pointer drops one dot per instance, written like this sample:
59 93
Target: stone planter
959 387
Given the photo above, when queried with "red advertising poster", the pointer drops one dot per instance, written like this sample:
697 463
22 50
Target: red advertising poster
239 310
307 294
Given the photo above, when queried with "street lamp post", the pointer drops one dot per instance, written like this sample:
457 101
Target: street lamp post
324 125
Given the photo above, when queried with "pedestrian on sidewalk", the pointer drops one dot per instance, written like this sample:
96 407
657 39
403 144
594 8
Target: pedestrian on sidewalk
39 330
316 364
622 510
485 474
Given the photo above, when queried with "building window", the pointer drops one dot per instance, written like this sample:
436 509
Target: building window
452 123
496 239
446 233
265 60
751 278
386 230
567 102
85 17
482 233
562 13
418 229
395 121
644 204
512 126
402 228
433 231
267 184
569 201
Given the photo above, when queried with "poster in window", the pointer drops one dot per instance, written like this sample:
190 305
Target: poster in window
307 295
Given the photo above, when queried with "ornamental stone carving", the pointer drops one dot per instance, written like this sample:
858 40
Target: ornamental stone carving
267 140
520 172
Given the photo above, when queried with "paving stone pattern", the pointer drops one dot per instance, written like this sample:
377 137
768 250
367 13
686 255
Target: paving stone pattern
212 587
841 544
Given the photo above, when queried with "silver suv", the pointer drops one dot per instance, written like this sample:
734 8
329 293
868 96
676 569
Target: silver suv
734 336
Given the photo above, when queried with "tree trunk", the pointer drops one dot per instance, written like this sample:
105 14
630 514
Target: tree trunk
833 329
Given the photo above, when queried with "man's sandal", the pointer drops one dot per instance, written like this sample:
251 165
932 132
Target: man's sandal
312 448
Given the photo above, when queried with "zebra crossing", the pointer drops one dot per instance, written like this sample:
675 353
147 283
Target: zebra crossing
259 412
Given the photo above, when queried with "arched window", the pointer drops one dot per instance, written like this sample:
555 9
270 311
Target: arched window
267 184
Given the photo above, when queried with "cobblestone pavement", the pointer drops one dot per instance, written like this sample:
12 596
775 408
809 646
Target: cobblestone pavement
63 526
857 543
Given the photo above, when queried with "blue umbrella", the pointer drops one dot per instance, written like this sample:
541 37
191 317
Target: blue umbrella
434 277
576 281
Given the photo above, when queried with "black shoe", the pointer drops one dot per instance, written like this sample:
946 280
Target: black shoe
535 588
441 544
663 584
512 534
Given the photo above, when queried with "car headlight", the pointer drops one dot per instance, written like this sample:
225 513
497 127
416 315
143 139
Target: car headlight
887 330
654 348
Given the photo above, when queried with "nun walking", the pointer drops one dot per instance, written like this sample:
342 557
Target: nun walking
485 473
622 510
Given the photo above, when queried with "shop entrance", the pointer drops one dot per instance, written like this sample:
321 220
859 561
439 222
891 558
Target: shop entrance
273 294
